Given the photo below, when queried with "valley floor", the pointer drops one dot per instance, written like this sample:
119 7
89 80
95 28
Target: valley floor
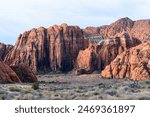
73 87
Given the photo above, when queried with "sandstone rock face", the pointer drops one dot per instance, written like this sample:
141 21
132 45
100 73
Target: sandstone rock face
108 49
24 73
4 49
139 29
123 24
99 55
91 31
7 75
86 61
62 48
16 74
134 64
55 48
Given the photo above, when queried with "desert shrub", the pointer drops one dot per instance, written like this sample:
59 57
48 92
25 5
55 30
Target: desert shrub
147 82
96 93
135 85
79 89
111 92
144 98
14 89
26 92
35 86
2 97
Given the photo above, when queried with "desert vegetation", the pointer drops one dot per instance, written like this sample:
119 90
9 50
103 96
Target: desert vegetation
72 87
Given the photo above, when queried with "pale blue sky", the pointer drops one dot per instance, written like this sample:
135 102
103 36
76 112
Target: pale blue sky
17 16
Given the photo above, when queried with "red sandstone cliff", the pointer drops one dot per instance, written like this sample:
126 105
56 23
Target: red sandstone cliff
139 29
99 55
55 48
65 47
134 63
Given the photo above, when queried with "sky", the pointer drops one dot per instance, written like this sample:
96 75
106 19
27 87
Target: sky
17 16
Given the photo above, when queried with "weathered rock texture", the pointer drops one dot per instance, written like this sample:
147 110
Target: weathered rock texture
55 48
86 61
4 49
139 29
16 74
99 55
133 63
124 24
25 74
7 75
91 31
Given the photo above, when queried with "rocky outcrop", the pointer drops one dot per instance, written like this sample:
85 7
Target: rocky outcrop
24 73
99 55
4 49
139 29
88 31
121 25
7 75
16 74
133 63
52 49
108 49
62 48
86 61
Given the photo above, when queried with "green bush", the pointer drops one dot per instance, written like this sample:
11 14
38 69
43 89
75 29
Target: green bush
35 86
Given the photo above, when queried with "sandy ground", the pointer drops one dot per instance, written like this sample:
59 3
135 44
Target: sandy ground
81 87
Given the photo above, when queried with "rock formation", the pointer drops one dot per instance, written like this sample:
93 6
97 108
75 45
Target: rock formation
86 61
133 63
99 55
62 48
55 48
139 29
7 75
91 31
16 74
123 24
24 73
4 49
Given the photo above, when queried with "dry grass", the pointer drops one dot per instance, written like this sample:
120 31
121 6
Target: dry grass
82 87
